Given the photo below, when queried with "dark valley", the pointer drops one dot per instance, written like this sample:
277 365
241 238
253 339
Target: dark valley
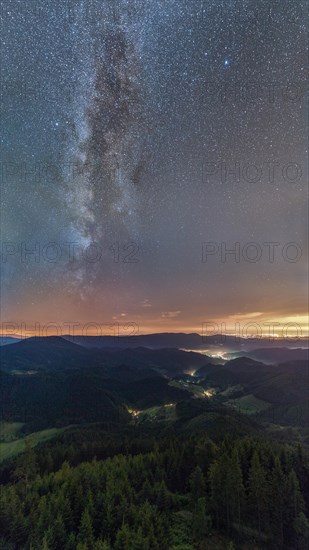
140 448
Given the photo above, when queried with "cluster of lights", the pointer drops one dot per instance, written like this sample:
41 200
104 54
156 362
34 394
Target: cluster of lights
209 393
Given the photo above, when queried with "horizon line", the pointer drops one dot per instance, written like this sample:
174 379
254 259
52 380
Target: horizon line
132 336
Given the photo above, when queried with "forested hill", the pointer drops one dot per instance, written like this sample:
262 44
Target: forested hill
143 449
161 494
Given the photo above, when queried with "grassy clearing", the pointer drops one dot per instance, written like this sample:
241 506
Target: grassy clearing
13 448
164 413
195 389
248 404
9 430
231 390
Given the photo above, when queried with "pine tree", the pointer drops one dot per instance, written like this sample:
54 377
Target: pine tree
59 533
301 527
278 500
147 491
236 486
295 498
216 488
295 505
197 486
227 490
205 452
85 534
26 466
139 541
163 499
101 545
48 538
201 522
71 542
48 462
257 490
152 539
42 517
123 538
13 522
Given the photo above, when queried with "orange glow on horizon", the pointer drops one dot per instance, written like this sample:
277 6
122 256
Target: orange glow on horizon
250 327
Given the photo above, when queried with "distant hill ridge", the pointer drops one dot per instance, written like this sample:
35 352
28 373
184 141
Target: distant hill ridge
55 352
183 340
189 341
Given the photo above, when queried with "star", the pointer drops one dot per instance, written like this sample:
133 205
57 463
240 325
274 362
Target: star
163 124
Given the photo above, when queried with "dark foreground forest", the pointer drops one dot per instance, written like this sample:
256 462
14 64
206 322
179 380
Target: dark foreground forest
98 489
151 450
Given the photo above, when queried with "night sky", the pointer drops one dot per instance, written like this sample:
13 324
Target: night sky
133 134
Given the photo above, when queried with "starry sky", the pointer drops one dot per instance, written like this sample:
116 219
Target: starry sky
134 133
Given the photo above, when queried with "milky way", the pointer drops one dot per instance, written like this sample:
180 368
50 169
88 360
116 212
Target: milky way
109 136
108 129
134 132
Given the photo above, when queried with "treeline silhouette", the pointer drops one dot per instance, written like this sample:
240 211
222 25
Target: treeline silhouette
129 490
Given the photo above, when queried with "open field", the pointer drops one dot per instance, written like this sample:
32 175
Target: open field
161 413
13 448
9 430
248 404
195 389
